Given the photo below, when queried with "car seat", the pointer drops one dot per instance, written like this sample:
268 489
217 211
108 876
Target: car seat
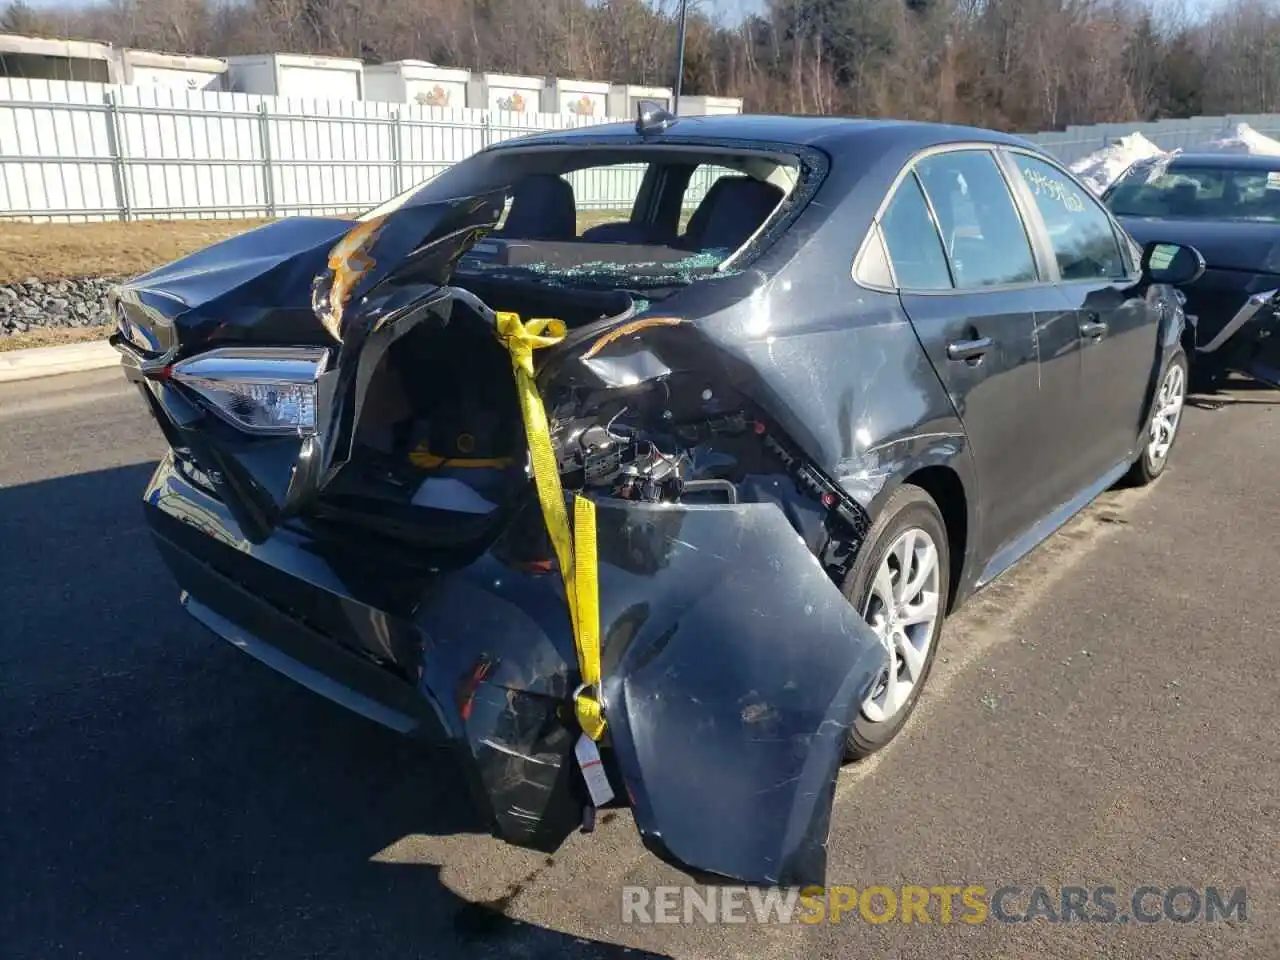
542 208
623 231
1182 199
732 210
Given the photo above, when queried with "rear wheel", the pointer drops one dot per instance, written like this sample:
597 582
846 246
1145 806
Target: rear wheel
1162 423
900 584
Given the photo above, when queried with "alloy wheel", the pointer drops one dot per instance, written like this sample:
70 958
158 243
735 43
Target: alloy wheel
902 610
1167 413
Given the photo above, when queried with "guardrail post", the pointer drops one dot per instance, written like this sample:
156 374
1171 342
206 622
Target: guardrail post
486 130
268 181
397 155
119 155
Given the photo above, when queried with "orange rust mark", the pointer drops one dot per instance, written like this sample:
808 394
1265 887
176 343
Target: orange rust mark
627 328
349 261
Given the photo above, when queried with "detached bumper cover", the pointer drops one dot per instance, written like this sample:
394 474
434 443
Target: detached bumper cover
738 671
1235 317
733 668
1259 306
1250 341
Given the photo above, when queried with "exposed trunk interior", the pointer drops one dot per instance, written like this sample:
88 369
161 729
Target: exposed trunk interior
438 452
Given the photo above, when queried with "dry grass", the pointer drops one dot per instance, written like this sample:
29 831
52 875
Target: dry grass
56 251
592 218
53 337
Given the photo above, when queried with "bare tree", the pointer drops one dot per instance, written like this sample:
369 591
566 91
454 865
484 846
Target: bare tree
1017 64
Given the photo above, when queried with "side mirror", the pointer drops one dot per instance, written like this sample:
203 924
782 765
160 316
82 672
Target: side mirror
1172 263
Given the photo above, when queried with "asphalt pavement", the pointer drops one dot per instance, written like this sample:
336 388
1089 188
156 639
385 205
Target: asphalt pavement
1106 714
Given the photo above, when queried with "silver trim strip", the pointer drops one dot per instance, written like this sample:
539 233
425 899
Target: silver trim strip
1243 316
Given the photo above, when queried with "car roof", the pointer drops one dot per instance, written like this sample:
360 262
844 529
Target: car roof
797 131
1225 161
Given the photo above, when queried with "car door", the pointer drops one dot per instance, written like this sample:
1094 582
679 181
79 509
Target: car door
1118 327
970 281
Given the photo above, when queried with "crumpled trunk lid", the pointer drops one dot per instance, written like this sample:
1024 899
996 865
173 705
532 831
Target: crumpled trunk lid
258 286
353 286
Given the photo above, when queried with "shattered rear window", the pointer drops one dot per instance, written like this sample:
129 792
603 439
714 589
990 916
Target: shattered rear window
606 272
617 214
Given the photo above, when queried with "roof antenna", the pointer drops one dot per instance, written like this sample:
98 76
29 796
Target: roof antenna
652 117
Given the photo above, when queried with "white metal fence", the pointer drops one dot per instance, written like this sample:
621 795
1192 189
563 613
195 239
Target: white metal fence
88 151
1075 142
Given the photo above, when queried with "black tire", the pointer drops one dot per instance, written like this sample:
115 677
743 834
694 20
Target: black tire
1145 468
908 507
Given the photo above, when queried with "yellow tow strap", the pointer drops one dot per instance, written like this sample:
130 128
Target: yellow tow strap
575 547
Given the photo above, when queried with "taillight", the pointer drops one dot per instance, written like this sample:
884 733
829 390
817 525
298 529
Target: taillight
271 391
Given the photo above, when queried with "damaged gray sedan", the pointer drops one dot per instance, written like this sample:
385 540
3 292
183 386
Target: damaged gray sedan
657 501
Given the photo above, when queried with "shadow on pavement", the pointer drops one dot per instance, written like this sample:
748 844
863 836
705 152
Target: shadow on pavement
1232 390
1217 401
164 795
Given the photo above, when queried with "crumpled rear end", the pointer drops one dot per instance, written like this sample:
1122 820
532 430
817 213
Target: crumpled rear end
733 669
393 556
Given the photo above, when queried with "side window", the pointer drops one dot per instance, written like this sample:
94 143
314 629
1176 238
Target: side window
915 250
982 231
1084 242
600 194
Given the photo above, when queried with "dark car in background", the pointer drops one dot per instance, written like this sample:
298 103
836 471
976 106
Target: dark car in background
819 381
1227 206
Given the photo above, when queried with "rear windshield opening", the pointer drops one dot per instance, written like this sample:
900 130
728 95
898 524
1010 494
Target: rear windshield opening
1198 193
628 216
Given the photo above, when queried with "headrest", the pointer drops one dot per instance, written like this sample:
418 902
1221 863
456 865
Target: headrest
542 208
733 209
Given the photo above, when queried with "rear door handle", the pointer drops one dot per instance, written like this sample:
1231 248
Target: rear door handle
1092 328
969 349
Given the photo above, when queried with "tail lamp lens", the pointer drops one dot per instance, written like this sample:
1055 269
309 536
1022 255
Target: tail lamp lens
271 391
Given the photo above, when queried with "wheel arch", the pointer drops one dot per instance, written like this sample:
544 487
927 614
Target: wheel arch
945 487
1171 338
942 466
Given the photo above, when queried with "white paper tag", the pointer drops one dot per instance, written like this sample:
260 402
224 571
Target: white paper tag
593 771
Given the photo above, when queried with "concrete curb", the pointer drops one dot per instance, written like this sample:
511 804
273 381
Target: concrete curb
49 361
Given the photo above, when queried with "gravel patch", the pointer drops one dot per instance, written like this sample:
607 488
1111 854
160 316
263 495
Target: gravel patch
33 305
